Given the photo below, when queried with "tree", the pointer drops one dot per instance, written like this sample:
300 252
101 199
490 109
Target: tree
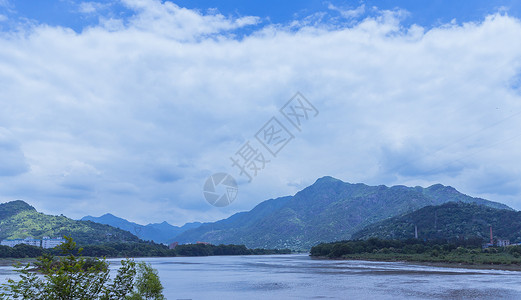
75 277
148 286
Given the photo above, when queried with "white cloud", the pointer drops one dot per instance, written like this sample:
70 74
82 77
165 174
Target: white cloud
91 7
169 20
349 13
12 159
131 118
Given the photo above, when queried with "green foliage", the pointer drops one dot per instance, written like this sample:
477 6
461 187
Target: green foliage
148 285
448 221
457 251
208 250
20 251
76 277
14 207
144 249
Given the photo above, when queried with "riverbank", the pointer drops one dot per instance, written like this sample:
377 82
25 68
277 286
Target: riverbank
412 259
462 254
8 262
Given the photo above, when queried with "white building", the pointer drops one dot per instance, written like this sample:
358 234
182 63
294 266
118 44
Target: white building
503 243
28 241
32 242
11 243
47 242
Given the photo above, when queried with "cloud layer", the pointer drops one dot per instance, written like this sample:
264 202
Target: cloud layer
132 115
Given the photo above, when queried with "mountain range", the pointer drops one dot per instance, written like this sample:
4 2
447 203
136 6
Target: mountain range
19 220
157 232
328 210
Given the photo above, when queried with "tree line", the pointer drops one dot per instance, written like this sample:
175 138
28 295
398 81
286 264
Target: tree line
149 249
467 251
409 246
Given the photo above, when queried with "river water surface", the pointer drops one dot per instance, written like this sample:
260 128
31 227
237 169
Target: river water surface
300 277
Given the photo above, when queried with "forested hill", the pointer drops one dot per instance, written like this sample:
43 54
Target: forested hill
12 208
449 221
19 220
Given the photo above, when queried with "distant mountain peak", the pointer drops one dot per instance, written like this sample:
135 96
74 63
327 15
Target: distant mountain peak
436 186
439 186
109 215
322 182
327 179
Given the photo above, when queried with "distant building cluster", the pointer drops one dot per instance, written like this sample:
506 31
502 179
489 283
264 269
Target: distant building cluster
46 242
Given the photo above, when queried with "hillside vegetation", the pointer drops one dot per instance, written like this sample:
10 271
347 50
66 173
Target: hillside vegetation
453 220
19 220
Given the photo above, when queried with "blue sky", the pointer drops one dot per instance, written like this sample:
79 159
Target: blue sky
424 13
128 106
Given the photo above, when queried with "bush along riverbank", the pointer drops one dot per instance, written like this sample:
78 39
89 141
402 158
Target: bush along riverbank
467 252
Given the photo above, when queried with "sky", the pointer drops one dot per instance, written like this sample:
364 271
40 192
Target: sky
129 106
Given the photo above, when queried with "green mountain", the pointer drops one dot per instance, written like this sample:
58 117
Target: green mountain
19 220
449 221
328 210
157 232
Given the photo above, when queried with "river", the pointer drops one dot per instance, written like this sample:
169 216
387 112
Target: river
301 277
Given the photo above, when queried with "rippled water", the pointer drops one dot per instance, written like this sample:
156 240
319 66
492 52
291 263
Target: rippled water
300 277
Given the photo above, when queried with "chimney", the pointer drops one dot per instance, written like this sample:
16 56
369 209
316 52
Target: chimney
491 237
415 231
